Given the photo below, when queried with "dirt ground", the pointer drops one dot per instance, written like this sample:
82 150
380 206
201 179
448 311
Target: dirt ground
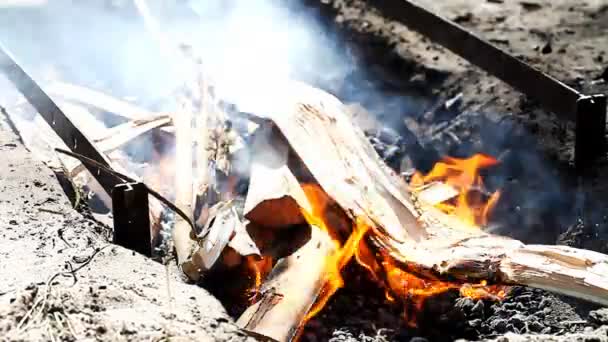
61 280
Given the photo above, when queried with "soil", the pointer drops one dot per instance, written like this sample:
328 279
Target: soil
62 279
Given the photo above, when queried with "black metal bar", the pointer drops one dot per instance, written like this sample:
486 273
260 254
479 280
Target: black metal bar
132 218
74 138
553 95
590 130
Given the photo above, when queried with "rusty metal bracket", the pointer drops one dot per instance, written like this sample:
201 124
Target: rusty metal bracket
132 217
555 96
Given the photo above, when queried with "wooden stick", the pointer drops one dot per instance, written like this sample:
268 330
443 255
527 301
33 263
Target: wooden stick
119 135
290 291
182 239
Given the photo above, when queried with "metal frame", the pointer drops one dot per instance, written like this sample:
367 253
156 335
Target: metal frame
568 104
132 218
129 201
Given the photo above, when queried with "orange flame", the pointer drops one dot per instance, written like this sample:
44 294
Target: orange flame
342 253
471 205
260 269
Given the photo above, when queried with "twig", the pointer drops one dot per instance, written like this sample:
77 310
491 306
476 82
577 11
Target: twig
51 211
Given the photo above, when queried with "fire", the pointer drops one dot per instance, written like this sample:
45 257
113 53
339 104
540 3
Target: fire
259 269
470 205
343 252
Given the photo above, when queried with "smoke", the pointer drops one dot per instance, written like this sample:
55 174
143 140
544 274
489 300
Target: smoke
249 49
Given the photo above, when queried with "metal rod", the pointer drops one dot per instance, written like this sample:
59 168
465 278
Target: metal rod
551 93
73 137
587 112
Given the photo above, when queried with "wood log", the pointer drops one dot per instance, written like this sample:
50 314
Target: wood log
182 236
119 135
290 290
275 198
418 236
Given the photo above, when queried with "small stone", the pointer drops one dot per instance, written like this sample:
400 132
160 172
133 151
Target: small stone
518 321
475 323
535 326
13 222
478 309
547 48
499 325
544 303
599 317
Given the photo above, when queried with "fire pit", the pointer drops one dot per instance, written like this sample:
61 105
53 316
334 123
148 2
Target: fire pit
271 195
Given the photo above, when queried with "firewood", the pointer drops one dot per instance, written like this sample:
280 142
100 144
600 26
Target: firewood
215 236
468 254
182 236
275 198
419 236
290 291
119 135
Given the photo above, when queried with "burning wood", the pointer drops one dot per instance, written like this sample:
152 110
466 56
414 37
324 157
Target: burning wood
309 165
419 249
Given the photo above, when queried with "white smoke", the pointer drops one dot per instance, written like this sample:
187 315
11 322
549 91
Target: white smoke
246 46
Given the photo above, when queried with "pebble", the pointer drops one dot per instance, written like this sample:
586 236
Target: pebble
478 309
518 321
499 325
599 317
535 326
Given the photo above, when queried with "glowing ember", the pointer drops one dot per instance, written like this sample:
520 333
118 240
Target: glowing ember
471 205
259 270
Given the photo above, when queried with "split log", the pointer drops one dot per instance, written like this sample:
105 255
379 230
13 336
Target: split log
290 290
275 198
119 135
418 236
182 235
